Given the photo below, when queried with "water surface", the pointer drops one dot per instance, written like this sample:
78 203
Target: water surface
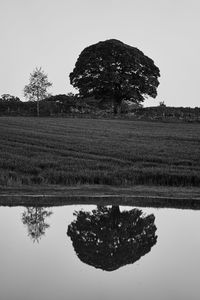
39 260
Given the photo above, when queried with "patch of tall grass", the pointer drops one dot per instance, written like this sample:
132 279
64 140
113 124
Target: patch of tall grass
114 152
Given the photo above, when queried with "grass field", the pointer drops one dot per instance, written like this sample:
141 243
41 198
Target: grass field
64 151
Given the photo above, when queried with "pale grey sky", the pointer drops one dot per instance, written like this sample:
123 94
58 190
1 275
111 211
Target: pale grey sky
52 33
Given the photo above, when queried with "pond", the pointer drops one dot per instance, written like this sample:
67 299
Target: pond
99 252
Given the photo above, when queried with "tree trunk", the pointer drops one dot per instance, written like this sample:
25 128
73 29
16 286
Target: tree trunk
38 108
117 101
115 216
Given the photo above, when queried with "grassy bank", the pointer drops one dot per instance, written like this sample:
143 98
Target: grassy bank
61 151
144 196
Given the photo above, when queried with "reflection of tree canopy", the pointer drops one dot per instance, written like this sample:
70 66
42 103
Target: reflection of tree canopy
109 239
34 218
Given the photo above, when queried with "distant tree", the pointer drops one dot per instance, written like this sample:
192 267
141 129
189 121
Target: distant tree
36 90
115 71
9 103
34 218
162 104
109 239
8 97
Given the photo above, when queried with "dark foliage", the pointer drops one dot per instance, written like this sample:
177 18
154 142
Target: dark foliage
109 239
9 104
167 113
52 106
114 70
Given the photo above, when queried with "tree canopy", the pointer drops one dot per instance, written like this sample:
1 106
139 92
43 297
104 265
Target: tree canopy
109 239
115 71
34 218
36 90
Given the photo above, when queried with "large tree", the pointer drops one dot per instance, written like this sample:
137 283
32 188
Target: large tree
36 90
115 71
109 239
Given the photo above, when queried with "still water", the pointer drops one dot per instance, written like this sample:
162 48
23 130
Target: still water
99 253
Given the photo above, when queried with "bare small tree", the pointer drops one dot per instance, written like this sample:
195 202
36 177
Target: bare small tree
36 90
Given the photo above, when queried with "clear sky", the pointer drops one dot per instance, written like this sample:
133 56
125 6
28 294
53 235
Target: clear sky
52 33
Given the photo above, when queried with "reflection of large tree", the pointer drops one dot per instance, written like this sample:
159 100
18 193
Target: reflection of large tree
34 218
108 239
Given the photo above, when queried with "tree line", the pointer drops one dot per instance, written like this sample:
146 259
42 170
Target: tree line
75 106
49 106
54 105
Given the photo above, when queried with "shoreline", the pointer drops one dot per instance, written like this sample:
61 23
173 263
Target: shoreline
144 196
92 190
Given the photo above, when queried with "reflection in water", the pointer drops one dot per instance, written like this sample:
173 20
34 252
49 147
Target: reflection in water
109 239
34 218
